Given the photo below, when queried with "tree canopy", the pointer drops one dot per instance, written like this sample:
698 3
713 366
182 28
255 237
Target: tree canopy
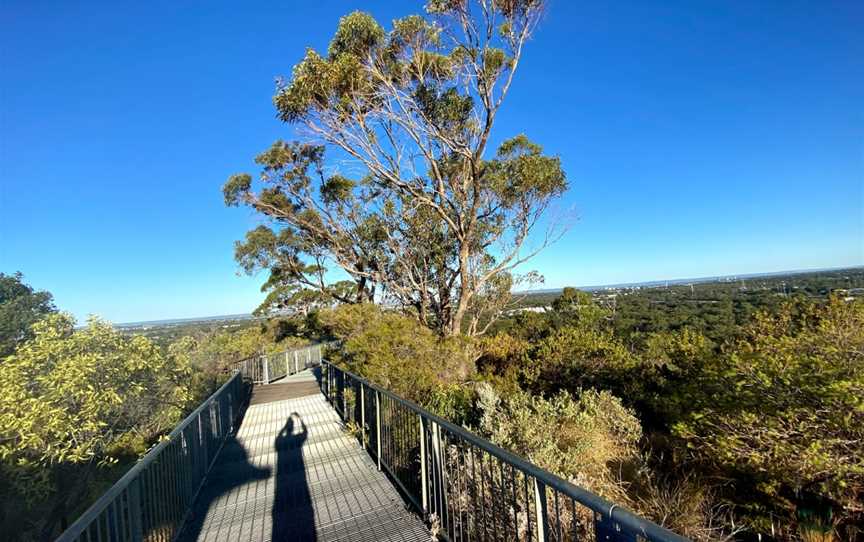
20 307
411 202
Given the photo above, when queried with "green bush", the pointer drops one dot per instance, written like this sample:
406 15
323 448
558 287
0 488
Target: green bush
396 352
594 436
73 404
783 408
576 357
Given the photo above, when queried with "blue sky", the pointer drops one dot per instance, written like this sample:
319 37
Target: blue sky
699 138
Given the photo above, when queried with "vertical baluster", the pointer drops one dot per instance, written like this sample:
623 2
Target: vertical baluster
513 478
540 507
505 524
135 510
558 517
482 492
378 425
111 521
530 531
476 497
424 487
362 415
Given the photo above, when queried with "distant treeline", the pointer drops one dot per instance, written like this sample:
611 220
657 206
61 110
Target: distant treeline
716 309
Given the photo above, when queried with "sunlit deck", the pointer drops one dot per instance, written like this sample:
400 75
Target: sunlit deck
291 472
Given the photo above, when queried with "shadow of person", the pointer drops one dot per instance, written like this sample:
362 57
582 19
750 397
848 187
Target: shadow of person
232 469
293 514
316 372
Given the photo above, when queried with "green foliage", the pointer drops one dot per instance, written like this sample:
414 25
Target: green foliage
738 382
20 308
357 34
506 360
574 357
76 407
75 396
595 436
438 233
672 362
215 353
785 405
401 355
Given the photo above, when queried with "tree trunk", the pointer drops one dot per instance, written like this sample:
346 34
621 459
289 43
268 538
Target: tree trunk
455 327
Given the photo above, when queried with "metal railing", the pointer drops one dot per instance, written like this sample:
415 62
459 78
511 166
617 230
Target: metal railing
151 501
265 368
468 488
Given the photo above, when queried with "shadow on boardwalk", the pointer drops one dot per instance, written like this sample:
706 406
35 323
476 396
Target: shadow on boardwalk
291 512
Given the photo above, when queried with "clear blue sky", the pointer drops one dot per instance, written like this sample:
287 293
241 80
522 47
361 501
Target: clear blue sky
700 138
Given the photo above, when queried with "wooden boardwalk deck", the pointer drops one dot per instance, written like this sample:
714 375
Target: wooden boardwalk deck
292 473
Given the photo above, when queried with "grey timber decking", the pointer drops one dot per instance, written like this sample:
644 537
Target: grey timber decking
292 473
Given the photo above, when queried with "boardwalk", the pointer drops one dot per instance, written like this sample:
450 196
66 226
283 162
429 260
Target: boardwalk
293 473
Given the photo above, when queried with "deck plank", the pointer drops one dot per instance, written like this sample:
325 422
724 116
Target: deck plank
291 472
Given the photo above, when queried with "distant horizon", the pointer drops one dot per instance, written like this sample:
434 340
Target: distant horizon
676 281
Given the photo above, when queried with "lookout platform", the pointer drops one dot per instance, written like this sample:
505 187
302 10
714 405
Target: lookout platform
292 472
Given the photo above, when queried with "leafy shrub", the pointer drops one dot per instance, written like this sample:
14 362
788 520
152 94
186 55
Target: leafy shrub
398 353
784 408
505 361
669 366
73 401
215 353
595 435
577 357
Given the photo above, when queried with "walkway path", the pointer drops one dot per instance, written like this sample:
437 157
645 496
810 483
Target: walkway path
292 473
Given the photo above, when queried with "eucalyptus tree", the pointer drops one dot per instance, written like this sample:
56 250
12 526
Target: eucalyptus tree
394 177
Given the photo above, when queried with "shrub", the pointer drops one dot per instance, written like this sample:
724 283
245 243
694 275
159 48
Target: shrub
74 400
784 408
400 354
595 436
576 357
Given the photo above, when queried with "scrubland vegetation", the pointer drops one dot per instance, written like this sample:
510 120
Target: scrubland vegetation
79 405
760 434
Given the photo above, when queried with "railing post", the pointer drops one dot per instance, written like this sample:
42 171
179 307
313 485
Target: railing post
540 508
136 527
424 482
296 364
362 415
340 393
266 369
440 488
378 425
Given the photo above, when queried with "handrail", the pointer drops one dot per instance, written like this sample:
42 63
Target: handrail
154 496
265 368
458 501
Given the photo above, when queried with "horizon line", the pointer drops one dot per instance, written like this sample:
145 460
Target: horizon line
650 282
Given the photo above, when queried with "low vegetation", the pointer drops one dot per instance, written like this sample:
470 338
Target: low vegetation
757 434
79 405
